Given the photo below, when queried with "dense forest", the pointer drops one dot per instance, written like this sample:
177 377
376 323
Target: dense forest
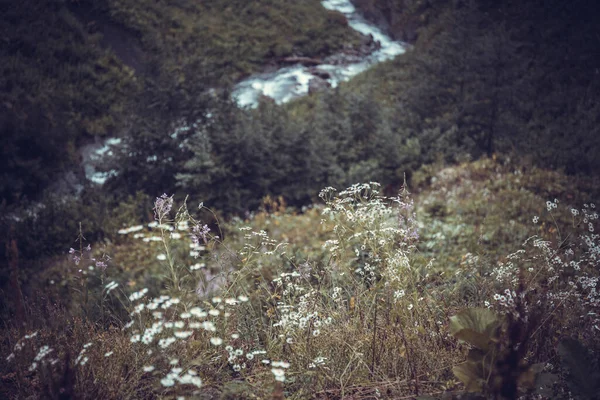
468 230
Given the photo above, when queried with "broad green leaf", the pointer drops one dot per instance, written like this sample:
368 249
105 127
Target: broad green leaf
544 383
476 355
478 319
479 340
584 377
471 374
528 378
476 326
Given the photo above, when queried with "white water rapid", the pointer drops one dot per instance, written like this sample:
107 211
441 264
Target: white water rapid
284 84
292 82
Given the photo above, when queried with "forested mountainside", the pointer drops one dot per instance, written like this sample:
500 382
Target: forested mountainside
219 256
495 77
517 79
74 70
482 77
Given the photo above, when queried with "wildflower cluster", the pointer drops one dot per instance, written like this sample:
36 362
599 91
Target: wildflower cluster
130 229
190 377
551 205
298 308
196 249
138 295
79 256
200 234
177 237
337 315
82 358
589 215
39 358
562 276
506 299
111 286
166 323
259 243
317 362
240 359
278 370
379 232
162 207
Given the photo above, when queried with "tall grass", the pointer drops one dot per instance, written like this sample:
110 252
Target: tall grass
239 311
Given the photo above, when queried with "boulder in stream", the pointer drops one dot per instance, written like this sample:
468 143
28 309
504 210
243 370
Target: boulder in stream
317 84
306 61
319 73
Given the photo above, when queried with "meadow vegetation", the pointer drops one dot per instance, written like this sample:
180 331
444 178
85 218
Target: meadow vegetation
363 295
470 270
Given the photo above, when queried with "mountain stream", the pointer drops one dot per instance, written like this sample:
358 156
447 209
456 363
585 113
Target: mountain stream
286 83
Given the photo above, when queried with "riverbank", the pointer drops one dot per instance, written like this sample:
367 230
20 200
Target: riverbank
310 75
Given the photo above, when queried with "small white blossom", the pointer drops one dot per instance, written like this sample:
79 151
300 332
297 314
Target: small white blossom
183 334
282 364
279 374
167 381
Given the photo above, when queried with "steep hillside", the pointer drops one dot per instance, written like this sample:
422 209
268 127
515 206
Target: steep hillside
77 69
360 294
483 77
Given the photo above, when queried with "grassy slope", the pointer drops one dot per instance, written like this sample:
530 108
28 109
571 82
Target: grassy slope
484 208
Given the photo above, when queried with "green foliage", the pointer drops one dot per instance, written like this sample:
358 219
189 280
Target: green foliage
58 85
53 227
583 370
237 157
483 370
477 82
73 70
232 38
241 156
477 327
485 208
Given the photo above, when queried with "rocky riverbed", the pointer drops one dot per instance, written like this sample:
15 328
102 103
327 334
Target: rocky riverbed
308 75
